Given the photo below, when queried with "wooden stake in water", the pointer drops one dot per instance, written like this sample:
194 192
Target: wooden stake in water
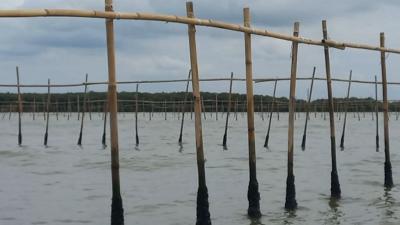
136 114
345 113
184 107
203 213
253 195
290 202
376 114
303 142
228 112
204 108
117 211
46 134
388 164
83 111
19 110
270 116
335 185
103 138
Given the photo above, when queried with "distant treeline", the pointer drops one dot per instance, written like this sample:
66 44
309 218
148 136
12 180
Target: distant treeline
173 101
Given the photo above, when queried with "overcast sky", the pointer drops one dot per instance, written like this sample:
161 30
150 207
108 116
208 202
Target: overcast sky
64 49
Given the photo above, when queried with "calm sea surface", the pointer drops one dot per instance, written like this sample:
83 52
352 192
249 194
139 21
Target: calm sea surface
67 184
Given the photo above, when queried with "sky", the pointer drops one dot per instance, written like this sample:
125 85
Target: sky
65 49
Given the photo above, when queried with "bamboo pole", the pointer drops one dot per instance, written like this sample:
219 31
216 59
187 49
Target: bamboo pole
117 211
335 185
204 108
228 111
203 214
388 165
253 195
184 20
290 202
216 106
83 113
103 138
345 112
376 115
34 108
270 117
136 114
303 142
184 108
78 109
46 134
19 110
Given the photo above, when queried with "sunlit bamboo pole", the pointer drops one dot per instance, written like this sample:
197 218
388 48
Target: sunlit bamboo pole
290 202
253 195
136 115
376 115
184 108
19 110
103 138
388 164
117 212
271 108
335 185
46 134
203 213
227 113
83 113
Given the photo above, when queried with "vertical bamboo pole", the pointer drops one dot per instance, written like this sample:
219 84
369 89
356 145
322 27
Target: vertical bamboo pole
184 107
44 109
34 107
19 110
253 195
78 107
228 111
103 138
83 111
136 114
303 142
216 106
290 202
345 112
203 107
376 115
335 185
388 165
46 134
203 214
270 116
117 212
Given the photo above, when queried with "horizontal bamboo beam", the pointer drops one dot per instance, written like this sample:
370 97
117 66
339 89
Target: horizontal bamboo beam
185 20
256 80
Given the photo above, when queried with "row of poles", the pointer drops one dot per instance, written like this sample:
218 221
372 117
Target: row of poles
203 214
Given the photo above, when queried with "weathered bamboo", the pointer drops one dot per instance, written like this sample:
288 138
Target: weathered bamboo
184 108
203 213
253 195
183 20
117 212
46 134
103 138
335 185
345 112
303 142
19 110
290 202
228 111
136 114
388 165
270 116
376 115
83 113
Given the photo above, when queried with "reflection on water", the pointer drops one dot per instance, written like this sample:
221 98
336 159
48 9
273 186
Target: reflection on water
334 214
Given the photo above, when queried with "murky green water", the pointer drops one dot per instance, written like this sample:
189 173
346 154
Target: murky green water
66 184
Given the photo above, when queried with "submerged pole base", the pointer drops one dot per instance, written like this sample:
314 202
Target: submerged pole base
45 139
335 185
117 211
224 141
342 143
19 139
388 175
254 200
137 140
303 143
266 141
202 210
377 143
80 139
290 203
